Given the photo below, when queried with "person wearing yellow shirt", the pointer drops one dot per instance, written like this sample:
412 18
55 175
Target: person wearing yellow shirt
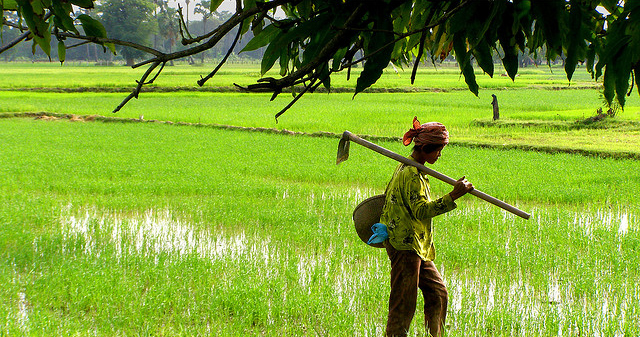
407 214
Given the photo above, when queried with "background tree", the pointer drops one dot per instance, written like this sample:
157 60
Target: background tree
130 20
168 30
203 8
319 37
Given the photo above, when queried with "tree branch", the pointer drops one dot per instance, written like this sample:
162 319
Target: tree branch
21 37
101 40
77 44
8 23
142 82
423 38
15 42
222 30
202 81
183 24
295 99
322 56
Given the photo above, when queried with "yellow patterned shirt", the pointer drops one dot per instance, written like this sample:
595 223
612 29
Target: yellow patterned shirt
408 211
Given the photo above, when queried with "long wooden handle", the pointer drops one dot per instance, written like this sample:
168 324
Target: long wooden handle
435 174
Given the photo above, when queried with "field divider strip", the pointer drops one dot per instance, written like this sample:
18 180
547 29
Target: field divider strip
325 134
224 89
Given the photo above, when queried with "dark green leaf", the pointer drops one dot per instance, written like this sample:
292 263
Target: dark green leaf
510 63
578 32
520 40
463 58
616 41
591 56
91 26
284 61
599 68
622 69
88 4
246 24
249 4
413 42
337 58
321 25
262 39
482 53
418 18
487 22
470 78
522 8
461 18
45 44
379 48
402 16
548 15
636 75
398 49
62 52
269 58
215 4
323 75
304 8
609 83
282 41
38 27
62 19
508 42
38 7
9 5
35 22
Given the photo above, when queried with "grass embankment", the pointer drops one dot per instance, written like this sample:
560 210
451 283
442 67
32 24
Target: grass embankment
126 229
532 118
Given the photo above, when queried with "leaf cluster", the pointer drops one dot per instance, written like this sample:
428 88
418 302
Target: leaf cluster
46 18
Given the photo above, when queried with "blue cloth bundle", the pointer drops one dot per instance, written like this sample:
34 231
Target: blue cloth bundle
379 233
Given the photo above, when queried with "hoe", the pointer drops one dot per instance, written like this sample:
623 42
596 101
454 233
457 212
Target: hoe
343 154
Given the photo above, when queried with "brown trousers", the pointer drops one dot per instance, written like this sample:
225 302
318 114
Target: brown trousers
408 273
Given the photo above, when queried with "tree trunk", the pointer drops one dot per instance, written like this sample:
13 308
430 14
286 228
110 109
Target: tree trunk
204 31
130 62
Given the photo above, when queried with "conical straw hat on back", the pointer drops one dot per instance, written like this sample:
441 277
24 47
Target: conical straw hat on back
365 215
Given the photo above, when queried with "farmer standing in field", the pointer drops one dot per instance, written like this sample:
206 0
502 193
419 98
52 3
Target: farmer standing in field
407 214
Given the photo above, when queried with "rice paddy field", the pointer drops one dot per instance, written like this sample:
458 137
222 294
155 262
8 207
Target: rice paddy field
176 225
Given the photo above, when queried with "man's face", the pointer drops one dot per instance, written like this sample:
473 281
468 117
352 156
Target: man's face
433 156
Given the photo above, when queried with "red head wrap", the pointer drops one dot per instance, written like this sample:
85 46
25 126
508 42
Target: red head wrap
427 133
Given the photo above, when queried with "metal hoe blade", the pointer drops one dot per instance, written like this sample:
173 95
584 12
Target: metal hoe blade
343 149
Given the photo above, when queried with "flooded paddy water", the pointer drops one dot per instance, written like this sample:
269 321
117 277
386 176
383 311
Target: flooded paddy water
341 285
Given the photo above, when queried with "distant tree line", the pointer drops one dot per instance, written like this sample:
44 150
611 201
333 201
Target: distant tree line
147 22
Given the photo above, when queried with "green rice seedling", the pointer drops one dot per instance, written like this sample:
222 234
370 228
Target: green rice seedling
443 76
147 228
554 114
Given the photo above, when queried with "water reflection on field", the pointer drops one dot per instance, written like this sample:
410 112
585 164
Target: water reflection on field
518 298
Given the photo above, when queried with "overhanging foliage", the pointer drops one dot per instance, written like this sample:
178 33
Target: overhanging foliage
316 38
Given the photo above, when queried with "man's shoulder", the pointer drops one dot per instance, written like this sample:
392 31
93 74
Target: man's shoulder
408 170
